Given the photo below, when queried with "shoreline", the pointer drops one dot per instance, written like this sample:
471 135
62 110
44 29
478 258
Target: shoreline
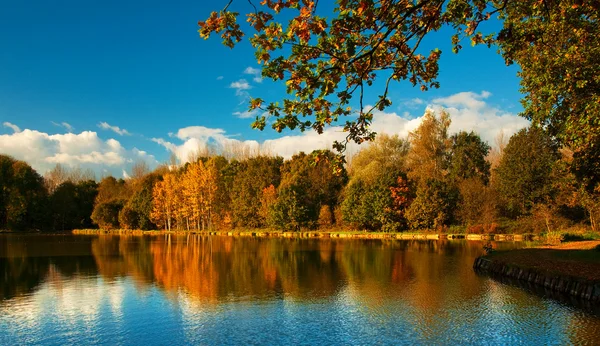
571 269
261 233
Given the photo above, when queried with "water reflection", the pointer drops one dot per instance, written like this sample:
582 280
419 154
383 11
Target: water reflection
58 289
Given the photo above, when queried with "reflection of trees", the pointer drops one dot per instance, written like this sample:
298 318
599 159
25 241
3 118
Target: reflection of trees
213 268
24 266
424 274
123 256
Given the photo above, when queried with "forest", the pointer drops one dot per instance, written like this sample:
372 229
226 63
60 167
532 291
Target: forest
430 181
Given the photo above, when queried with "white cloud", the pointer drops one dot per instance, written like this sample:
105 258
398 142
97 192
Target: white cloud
468 99
197 139
255 72
86 150
413 103
240 87
247 114
220 78
469 112
125 175
170 146
104 125
66 125
251 70
14 127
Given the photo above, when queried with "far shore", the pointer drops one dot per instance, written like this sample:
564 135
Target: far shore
320 234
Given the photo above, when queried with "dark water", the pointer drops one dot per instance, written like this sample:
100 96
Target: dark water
198 290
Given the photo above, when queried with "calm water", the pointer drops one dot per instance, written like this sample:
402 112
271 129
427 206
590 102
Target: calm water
198 290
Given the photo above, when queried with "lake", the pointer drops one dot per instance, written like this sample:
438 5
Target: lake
67 289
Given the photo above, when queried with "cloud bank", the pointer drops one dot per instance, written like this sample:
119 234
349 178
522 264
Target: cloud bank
469 112
43 151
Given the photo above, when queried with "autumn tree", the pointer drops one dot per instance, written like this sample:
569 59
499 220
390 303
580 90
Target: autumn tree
478 203
429 148
433 206
331 61
166 201
377 193
199 187
268 199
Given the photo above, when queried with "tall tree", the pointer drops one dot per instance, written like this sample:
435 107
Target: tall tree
467 157
525 171
429 146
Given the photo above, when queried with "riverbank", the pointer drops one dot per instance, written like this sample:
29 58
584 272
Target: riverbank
570 268
320 234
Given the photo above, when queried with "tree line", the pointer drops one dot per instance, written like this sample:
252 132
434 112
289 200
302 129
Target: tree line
430 180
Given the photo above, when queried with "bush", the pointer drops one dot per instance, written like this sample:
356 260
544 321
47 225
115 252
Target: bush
554 238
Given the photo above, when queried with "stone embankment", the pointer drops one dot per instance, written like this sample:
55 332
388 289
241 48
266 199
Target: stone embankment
566 284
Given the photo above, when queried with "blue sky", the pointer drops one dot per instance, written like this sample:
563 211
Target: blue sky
141 67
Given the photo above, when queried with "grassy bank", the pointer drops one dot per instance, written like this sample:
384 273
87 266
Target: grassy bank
319 234
572 269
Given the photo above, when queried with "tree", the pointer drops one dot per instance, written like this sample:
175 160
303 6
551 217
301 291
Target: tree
71 205
525 171
166 202
23 197
128 218
433 206
106 215
557 47
333 60
112 196
429 146
253 176
374 196
385 154
328 62
307 183
467 157
478 203
141 201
